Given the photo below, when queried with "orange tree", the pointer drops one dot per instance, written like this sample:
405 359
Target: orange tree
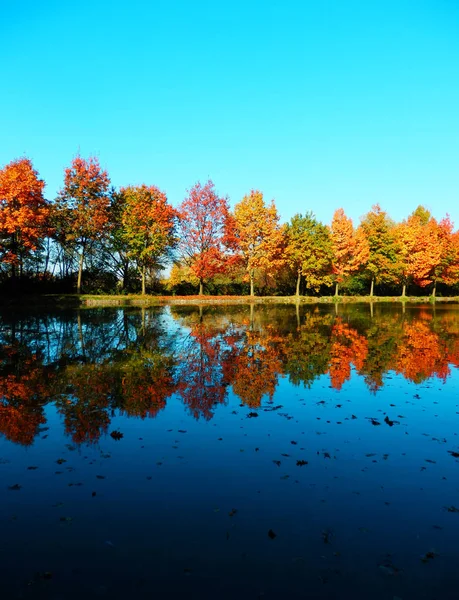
350 248
23 213
82 207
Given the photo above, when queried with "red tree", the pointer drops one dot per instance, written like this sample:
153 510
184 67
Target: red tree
203 232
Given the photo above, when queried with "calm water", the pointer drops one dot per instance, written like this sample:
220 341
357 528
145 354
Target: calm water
237 452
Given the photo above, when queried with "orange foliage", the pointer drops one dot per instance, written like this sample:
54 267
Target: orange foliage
421 354
348 347
23 210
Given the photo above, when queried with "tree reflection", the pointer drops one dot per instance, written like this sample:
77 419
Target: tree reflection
347 347
24 389
96 365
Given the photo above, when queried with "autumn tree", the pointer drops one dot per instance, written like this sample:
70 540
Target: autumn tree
428 251
83 207
259 235
379 232
24 213
203 220
350 248
148 226
409 239
308 250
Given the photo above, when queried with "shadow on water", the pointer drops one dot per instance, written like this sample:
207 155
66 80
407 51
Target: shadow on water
246 451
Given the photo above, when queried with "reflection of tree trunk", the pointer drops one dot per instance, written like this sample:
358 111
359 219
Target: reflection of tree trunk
404 290
336 308
297 310
403 307
371 309
80 334
336 289
143 320
251 316
200 313
372 287
298 282
80 271
252 293
434 289
143 280
201 287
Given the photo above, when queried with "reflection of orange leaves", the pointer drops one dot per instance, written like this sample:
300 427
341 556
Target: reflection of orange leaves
201 384
348 347
19 424
25 379
420 354
256 368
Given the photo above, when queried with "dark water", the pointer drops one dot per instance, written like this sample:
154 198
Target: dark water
236 452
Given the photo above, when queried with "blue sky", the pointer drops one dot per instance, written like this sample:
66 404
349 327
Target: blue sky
319 104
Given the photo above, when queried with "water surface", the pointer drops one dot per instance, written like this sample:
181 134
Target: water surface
222 452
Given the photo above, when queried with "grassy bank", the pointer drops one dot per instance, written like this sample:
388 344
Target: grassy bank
76 301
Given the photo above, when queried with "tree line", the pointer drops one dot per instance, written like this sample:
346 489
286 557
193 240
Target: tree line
95 238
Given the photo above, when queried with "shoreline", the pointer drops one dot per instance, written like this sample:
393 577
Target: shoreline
91 301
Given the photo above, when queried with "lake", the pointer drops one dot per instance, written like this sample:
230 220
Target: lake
250 452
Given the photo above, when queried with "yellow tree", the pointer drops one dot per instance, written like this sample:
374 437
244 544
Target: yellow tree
350 248
258 235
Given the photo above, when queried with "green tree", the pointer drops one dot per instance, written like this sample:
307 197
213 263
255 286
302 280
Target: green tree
309 251
379 231
149 223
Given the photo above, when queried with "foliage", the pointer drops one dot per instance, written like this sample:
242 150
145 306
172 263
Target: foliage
24 213
203 219
258 236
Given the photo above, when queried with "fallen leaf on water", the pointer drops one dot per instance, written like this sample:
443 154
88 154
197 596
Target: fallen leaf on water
452 509
301 463
32 468
454 454
251 415
116 435
232 512
271 534
277 462
61 461
16 487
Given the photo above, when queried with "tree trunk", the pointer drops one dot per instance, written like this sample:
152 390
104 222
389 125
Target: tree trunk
434 289
372 287
201 288
371 309
298 282
297 310
80 271
404 290
252 293
336 289
143 281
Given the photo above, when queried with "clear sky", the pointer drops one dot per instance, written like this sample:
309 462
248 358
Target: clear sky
320 104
